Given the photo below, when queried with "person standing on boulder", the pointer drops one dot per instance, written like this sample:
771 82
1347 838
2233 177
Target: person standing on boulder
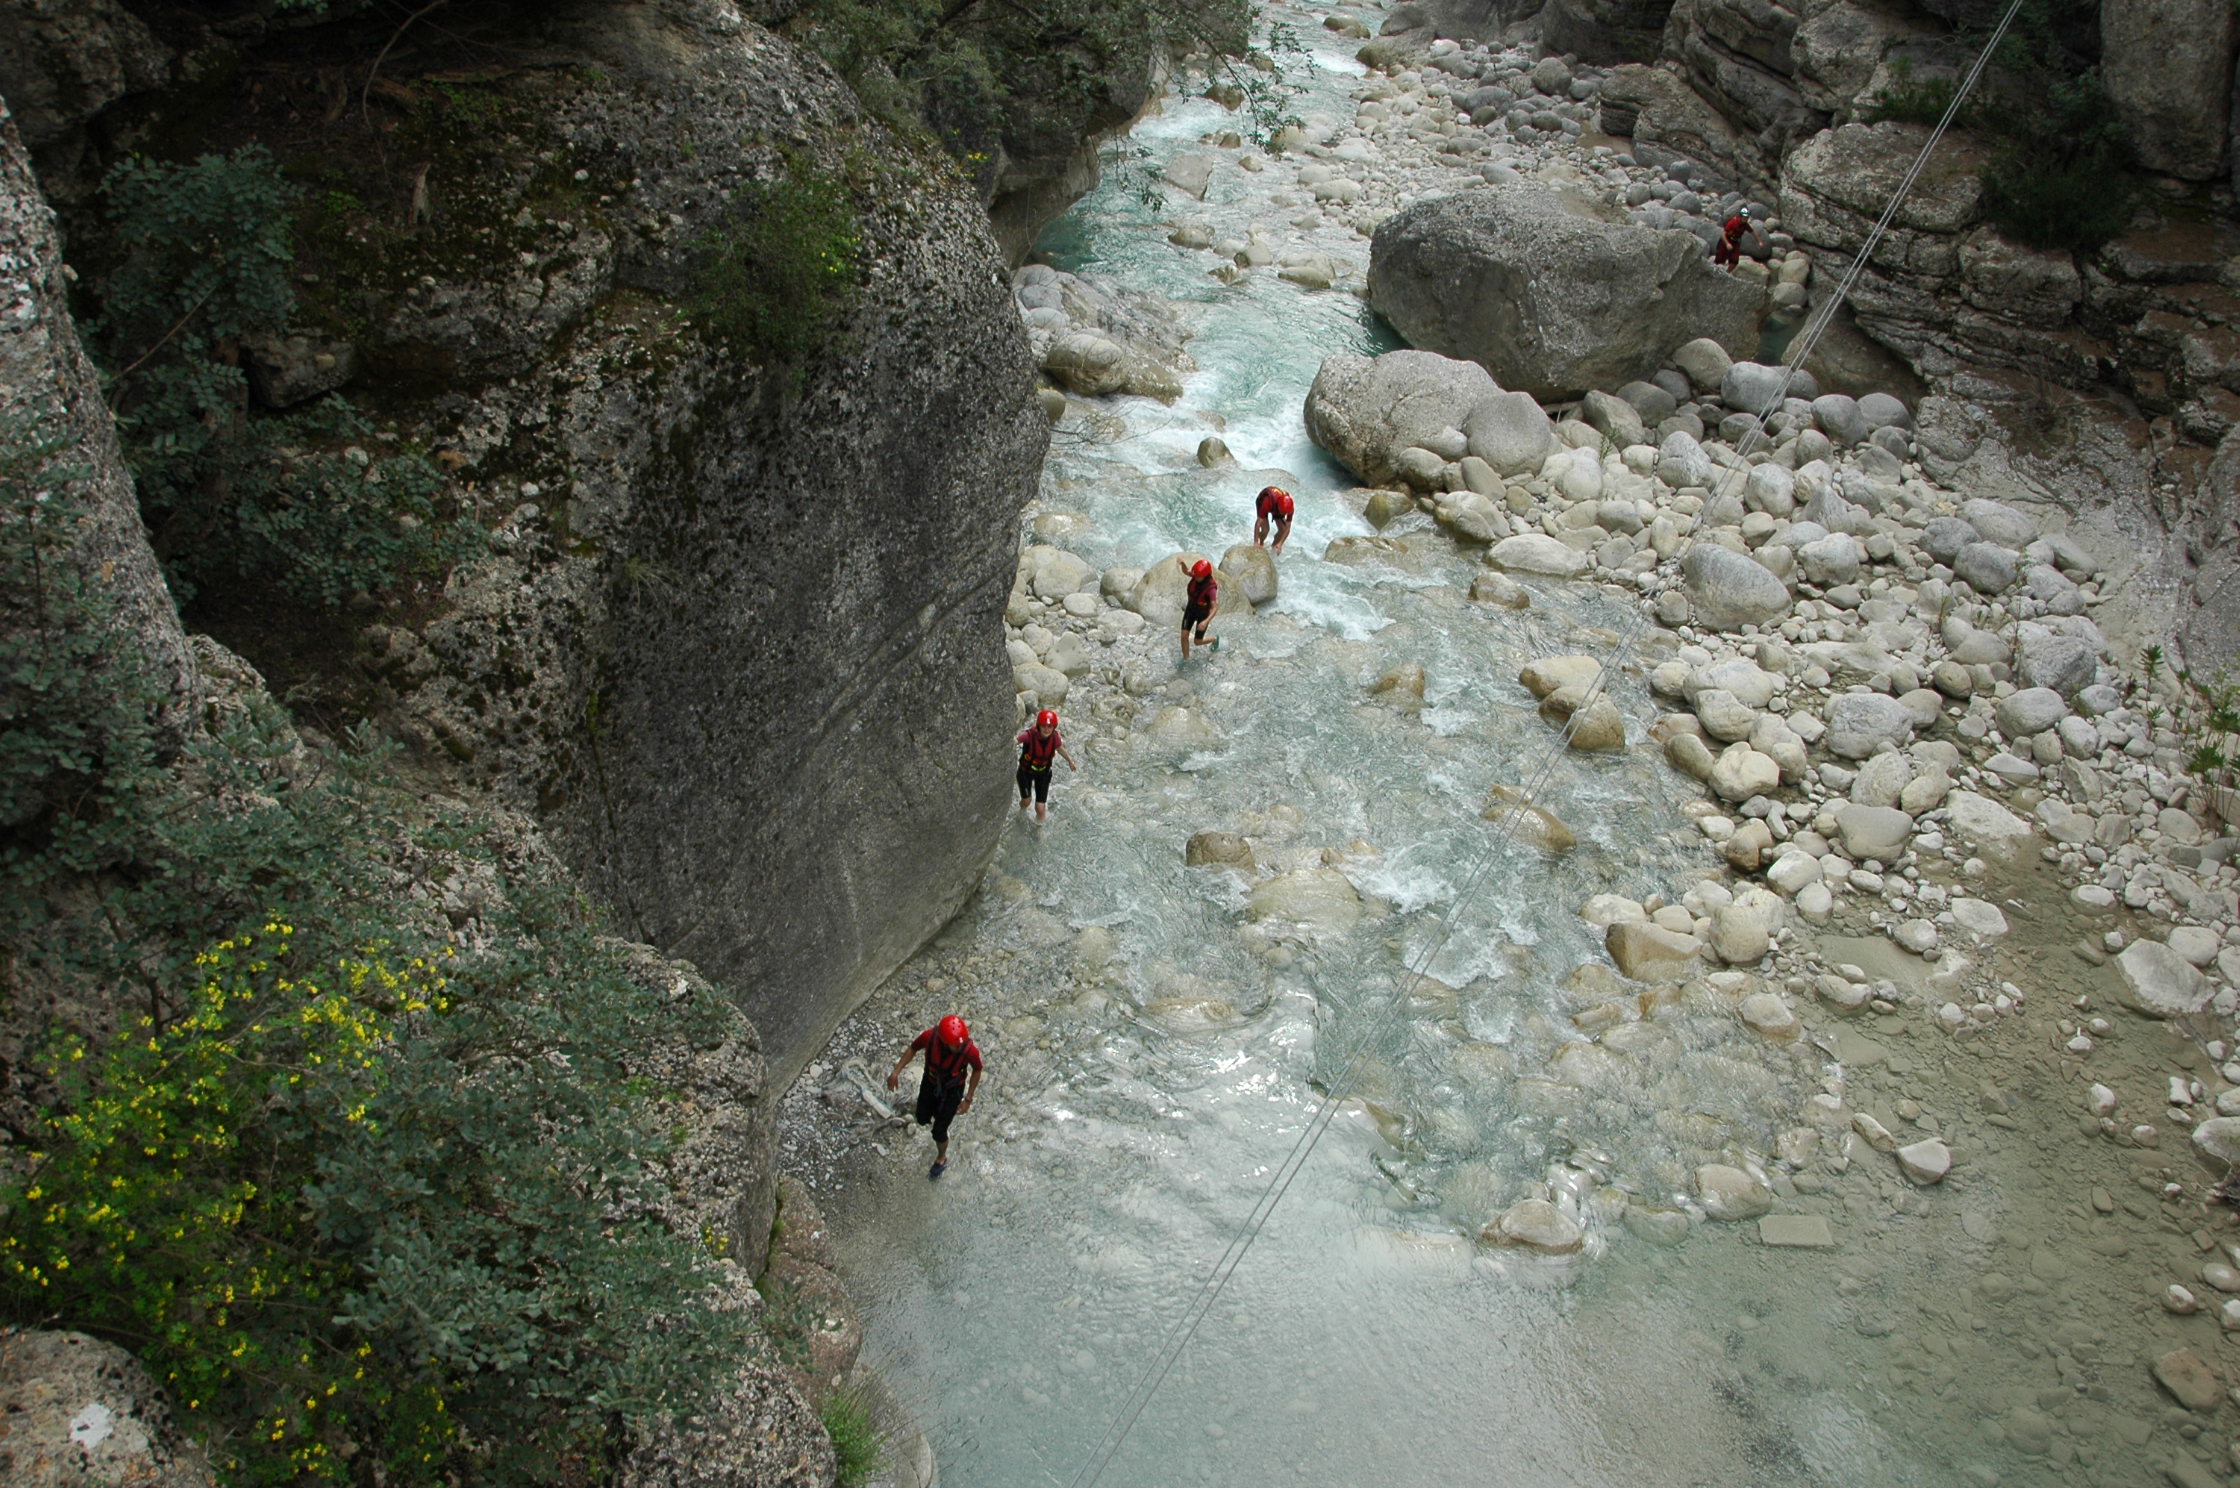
1275 506
944 1092
1201 602
1038 746
1728 253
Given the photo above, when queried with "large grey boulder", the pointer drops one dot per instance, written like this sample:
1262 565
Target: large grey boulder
1836 184
2159 982
1463 20
1253 569
1730 590
84 1414
62 62
2067 664
1368 411
1753 387
1859 723
2030 711
1551 292
1988 568
2167 65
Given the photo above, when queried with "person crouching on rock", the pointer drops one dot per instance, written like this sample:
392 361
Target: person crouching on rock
1728 253
1200 604
1275 506
944 1093
1038 746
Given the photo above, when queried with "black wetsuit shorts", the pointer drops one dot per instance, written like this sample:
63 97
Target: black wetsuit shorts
1195 616
937 1103
1034 782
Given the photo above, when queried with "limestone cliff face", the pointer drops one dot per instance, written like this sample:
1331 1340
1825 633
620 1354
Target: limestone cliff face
737 647
742 650
49 396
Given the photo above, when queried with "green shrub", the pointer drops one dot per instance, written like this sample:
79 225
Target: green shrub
780 270
1911 102
2077 204
314 512
354 1192
2062 175
202 254
857 1442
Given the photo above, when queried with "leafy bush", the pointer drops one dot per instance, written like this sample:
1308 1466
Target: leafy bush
358 1194
782 267
317 514
202 256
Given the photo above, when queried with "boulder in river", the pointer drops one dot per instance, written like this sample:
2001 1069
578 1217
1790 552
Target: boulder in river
1158 594
1315 899
1552 292
1650 953
1527 823
1368 411
1731 1193
1536 1224
1254 569
1218 850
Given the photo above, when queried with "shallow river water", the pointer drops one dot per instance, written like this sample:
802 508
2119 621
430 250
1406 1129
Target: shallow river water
1154 1052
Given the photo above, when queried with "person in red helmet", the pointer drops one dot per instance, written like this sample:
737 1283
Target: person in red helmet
1038 746
945 1092
1274 507
1200 603
1728 253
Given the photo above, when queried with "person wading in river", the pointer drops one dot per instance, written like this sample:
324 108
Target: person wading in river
1038 746
1275 506
944 1093
1200 604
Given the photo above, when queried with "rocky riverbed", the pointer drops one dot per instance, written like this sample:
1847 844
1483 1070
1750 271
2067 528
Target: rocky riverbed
1829 1082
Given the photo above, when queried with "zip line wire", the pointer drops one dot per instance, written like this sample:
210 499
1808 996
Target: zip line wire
1185 1326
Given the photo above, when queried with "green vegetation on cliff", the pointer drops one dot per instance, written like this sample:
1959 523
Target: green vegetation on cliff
375 1189
782 267
199 257
989 76
2061 172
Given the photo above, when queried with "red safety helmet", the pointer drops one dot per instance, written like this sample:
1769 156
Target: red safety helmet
953 1030
1202 569
1047 718
1283 502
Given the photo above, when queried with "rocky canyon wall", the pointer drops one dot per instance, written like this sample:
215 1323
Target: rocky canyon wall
2106 380
736 645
